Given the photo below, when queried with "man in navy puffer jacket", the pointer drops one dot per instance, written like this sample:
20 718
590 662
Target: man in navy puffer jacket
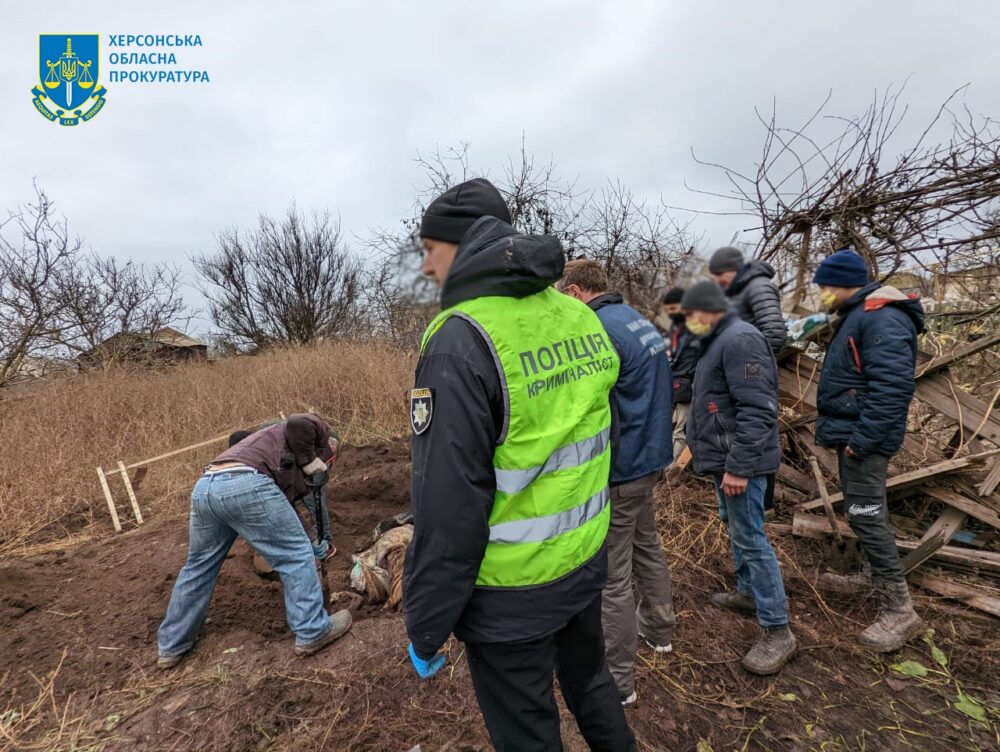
732 432
642 405
864 395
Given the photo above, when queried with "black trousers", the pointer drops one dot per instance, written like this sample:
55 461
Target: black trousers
863 484
513 682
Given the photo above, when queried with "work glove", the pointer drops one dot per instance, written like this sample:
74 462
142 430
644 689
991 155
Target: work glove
316 466
321 549
426 669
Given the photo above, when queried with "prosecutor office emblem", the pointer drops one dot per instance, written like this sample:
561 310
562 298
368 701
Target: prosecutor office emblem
421 409
68 68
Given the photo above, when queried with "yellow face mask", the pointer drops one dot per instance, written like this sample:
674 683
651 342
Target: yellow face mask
828 299
697 328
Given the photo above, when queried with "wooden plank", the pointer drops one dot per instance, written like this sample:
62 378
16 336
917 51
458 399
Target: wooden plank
130 492
992 480
914 477
948 398
959 591
110 499
939 533
956 354
966 505
816 526
789 476
172 454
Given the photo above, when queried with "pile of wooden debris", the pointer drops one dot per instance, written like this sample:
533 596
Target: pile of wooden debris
943 496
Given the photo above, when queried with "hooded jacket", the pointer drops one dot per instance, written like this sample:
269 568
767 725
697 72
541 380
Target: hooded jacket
867 381
453 482
733 423
757 301
280 451
642 396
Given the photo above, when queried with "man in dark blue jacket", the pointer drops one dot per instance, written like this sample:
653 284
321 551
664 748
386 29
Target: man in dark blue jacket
641 400
864 395
732 432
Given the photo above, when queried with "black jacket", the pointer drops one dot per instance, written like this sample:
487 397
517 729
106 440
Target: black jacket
683 349
453 481
757 300
867 382
733 423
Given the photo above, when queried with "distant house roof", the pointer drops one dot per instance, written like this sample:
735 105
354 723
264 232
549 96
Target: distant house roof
170 336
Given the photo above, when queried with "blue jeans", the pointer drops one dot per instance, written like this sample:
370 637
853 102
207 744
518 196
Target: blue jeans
249 504
757 571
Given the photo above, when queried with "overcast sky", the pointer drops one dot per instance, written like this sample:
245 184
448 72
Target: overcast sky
327 103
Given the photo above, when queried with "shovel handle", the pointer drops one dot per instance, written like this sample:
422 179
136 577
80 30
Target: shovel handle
825 497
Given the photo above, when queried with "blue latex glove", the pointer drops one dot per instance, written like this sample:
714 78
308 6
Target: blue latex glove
426 669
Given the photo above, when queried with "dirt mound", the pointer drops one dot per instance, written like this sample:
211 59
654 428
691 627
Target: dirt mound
78 647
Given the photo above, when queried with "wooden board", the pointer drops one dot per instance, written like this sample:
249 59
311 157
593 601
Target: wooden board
817 526
910 479
983 600
937 363
992 479
939 533
966 505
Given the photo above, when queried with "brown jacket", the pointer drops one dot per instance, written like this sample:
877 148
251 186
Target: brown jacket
281 450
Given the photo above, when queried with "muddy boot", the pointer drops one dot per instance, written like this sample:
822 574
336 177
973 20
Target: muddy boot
340 623
772 651
734 601
855 583
896 623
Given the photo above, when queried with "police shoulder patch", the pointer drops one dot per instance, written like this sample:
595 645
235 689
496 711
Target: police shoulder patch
421 409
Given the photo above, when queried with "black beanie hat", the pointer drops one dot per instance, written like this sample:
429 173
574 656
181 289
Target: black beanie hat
705 296
673 295
451 214
727 259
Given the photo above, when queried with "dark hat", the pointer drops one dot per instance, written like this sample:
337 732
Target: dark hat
673 295
844 268
451 214
727 259
237 436
705 296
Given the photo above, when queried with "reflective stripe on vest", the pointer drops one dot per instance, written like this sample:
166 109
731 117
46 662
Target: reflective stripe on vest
551 510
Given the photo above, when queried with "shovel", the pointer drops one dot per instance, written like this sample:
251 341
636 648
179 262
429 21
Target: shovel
842 556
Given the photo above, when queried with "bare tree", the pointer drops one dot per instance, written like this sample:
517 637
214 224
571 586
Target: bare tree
103 297
35 250
286 281
641 246
58 300
930 205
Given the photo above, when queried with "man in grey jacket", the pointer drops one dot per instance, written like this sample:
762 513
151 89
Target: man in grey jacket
750 287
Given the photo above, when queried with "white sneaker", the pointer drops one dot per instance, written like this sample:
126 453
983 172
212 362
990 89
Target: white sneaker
658 648
629 700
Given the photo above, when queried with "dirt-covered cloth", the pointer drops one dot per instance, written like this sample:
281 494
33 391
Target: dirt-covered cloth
378 570
757 301
281 451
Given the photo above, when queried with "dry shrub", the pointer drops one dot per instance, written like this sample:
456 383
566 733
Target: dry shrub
54 437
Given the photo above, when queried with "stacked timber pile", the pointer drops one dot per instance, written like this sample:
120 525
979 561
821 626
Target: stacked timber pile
943 487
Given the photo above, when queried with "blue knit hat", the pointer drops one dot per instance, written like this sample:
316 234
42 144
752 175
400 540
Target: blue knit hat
843 269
